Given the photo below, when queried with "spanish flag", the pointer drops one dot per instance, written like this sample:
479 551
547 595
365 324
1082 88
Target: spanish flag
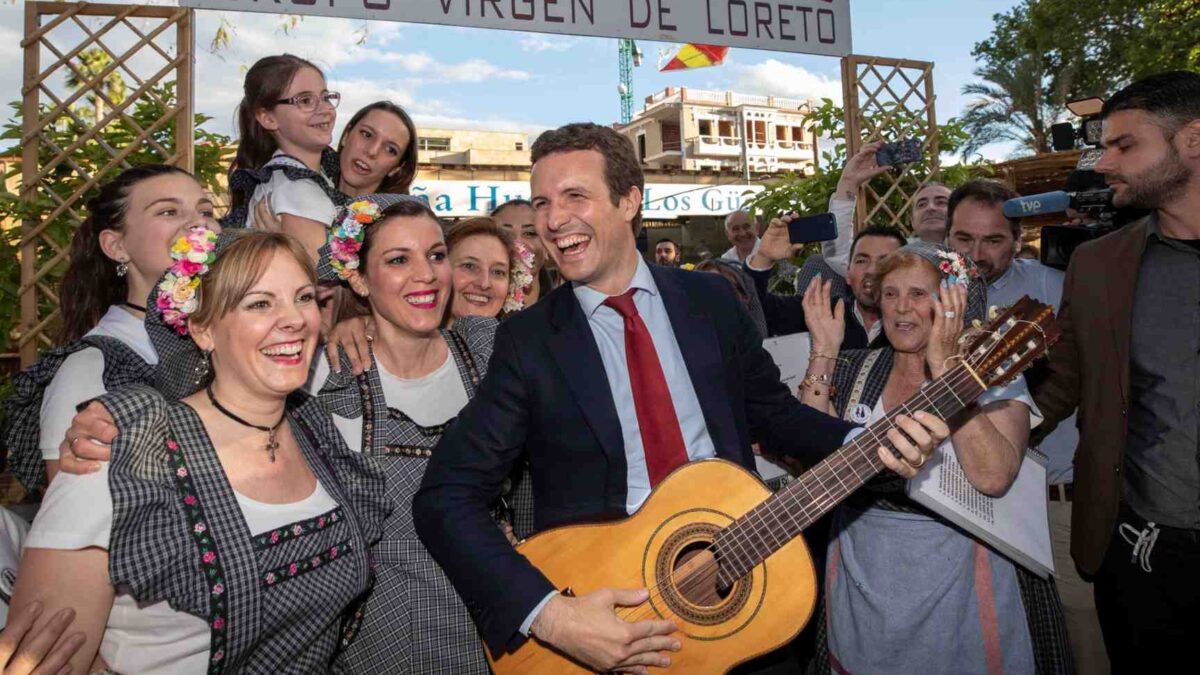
696 56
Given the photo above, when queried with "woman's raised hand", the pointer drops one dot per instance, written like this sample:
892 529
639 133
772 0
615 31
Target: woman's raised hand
352 335
826 321
949 306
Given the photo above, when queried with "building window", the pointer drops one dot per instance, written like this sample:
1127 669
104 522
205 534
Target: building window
725 129
520 145
433 143
641 147
797 134
706 128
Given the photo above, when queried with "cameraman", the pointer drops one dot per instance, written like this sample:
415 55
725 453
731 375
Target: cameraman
1129 358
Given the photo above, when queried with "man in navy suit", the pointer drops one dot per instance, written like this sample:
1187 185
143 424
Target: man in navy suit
607 383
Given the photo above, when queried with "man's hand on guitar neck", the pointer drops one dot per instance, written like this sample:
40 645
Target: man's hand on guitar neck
588 630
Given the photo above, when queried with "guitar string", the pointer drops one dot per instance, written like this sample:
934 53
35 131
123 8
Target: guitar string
947 382
710 569
706 572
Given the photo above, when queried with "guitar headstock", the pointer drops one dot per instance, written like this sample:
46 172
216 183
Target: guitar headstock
1012 341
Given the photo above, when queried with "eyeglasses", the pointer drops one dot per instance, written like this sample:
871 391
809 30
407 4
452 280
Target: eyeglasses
308 102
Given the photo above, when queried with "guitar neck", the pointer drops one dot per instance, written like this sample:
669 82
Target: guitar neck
766 528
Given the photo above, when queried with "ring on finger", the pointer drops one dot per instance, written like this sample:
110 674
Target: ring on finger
921 464
950 314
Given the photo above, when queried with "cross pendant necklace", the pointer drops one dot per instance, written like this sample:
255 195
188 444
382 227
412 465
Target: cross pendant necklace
272 444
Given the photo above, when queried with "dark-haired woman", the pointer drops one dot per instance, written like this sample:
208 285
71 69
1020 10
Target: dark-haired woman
391 250
117 255
285 126
378 151
516 216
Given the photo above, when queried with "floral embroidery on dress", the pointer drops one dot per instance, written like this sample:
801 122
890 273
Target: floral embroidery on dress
298 529
214 573
293 570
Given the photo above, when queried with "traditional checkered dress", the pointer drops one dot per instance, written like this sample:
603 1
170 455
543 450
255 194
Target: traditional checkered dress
246 180
23 408
276 602
413 621
1043 609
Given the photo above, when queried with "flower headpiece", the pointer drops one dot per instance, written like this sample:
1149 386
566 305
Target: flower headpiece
346 238
956 268
520 276
192 253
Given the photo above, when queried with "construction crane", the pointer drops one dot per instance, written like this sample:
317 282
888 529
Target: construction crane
629 57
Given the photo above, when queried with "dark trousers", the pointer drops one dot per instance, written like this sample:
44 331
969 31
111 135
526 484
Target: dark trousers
1150 619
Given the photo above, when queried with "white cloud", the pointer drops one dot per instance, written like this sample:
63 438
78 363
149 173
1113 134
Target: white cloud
478 70
374 70
773 77
541 43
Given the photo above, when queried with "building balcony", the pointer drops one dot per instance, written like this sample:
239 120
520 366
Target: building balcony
719 146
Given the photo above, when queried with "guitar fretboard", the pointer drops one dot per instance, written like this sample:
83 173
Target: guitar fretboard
767 527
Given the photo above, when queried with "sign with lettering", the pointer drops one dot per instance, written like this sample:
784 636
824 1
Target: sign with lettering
661 201
804 26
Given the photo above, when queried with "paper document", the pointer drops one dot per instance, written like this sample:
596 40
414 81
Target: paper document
790 353
1016 525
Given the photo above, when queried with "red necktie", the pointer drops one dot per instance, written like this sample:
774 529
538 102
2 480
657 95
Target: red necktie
662 440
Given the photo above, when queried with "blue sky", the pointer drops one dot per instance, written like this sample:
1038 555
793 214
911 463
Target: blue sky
477 78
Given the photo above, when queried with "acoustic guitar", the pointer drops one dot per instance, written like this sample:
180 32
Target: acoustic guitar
721 555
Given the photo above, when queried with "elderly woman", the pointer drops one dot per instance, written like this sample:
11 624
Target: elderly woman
230 530
906 591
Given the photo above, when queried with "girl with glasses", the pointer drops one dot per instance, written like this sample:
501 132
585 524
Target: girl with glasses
285 127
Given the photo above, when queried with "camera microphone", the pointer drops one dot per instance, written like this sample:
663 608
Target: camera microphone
1036 205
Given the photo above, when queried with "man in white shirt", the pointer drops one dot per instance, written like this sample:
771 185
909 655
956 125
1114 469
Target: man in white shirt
979 230
742 231
928 217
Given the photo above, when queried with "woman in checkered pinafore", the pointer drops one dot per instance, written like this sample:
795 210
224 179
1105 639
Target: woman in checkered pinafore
117 254
905 590
395 412
230 532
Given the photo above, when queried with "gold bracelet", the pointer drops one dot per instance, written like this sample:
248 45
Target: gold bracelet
811 380
813 356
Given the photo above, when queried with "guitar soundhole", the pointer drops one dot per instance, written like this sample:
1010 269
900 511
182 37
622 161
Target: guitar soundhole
686 571
695 575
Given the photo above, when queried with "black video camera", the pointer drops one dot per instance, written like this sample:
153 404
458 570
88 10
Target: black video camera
1063 135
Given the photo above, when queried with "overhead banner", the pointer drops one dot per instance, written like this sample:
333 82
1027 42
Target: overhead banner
662 201
803 26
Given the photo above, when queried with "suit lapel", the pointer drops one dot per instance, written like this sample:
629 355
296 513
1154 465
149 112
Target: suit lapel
574 349
1121 276
701 350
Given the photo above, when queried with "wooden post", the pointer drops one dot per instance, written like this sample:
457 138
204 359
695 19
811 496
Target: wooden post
853 131
935 156
185 118
27 336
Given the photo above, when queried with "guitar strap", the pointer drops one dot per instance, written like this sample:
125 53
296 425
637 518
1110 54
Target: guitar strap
860 383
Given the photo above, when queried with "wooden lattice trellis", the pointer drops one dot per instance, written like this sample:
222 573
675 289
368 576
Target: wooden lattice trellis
148 47
888 99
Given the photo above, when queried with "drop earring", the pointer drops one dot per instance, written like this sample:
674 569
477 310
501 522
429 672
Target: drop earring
203 367
122 269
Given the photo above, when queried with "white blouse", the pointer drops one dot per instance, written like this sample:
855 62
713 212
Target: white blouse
81 376
301 198
150 639
429 401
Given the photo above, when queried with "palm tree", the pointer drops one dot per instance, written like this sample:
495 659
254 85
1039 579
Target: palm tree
90 64
1014 103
